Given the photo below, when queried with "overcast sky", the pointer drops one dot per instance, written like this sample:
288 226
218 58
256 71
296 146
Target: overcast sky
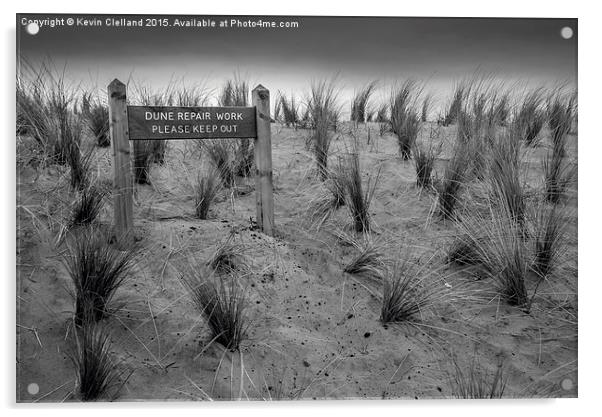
437 50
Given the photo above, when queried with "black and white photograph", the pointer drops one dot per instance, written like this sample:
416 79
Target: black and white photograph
295 207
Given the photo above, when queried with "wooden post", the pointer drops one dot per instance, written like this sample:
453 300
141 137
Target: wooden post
122 184
263 161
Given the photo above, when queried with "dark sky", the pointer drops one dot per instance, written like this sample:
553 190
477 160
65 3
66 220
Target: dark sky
439 50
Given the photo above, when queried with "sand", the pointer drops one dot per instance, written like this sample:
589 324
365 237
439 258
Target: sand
314 331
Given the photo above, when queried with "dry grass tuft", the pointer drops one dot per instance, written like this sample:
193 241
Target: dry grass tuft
234 93
498 243
530 116
97 271
464 251
97 117
450 186
45 111
206 188
359 105
324 113
456 104
222 301
408 290
505 177
561 112
476 383
548 234
328 201
87 206
219 152
424 159
369 260
97 376
358 196
80 166
228 257
143 158
426 107
405 118
559 174
290 109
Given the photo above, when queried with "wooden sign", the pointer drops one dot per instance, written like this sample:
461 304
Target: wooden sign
157 122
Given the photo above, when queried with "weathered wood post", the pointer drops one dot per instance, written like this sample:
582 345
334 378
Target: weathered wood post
263 160
122 184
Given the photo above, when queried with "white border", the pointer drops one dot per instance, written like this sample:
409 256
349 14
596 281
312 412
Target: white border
589 202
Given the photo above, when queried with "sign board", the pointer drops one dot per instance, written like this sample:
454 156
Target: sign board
159 122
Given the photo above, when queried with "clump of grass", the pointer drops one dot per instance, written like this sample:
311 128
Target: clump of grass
84 104
97 116
548 234
408 290
222 302
498 243
558 175
358 196
426 106
243 158
505 177
464 251
448 189
476 383
405 119
143 158
473 119
228 257
424 160
206 189
97 271
87 206
80 166
66 137
456 104
327 202
45 109
148 151
560 114
499 110
234 92
219 153
510 258
190 95
97 376
323 111
530 116
476 123
360 103
158 151
32 113
368 261
383 128
278 108
381 114
305 119
290 110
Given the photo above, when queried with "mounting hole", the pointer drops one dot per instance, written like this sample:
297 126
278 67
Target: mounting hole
566 32
33 388
567 384
32 28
